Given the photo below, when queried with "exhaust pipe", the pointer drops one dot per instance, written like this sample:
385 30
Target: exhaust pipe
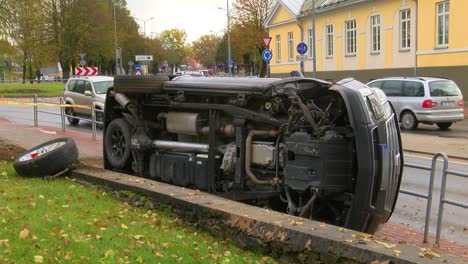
248 155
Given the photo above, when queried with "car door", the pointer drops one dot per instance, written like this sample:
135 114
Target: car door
81 99
412 96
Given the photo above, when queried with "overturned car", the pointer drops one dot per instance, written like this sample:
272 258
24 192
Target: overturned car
329 152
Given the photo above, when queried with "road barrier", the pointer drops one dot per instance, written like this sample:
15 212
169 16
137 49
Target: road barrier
94 121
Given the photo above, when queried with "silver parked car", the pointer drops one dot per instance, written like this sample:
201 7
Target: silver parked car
424 100
85 91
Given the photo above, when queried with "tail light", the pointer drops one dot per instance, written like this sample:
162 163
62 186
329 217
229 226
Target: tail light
461 103
429 104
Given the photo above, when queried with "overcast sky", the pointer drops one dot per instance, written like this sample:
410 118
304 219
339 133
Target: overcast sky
196 17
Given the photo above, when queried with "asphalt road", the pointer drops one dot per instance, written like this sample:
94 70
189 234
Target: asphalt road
409 210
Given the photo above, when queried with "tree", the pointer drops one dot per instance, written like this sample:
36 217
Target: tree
173 41
249 19
204 49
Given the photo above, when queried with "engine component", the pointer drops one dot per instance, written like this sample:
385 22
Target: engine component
181 146
323 164
248 155
229 158
182 122
263 153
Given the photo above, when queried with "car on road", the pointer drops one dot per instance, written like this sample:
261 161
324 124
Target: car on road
82 92
311 148
424 100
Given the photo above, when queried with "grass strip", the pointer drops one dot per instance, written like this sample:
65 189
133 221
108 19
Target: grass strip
28 90
63 221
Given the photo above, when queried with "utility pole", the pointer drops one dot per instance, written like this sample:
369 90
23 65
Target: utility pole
314 52
229 38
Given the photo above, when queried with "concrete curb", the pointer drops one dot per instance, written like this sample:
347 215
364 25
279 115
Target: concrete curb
289 238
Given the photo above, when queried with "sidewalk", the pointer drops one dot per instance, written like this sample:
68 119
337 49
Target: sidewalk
91 153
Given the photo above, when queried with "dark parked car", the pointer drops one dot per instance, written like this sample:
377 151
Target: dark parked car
330 152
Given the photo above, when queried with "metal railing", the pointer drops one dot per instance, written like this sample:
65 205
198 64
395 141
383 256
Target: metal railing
429 195
63 115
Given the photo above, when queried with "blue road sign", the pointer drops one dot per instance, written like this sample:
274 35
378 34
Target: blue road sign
267 55
230 62
136 67
301 48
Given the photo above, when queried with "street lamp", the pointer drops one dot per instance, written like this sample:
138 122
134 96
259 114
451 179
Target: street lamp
118 67
144 23
229 36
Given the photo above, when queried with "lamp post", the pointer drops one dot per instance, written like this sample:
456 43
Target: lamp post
144 23
117 67
314 51
229 36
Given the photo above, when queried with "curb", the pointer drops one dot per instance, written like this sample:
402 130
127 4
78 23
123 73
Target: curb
283 236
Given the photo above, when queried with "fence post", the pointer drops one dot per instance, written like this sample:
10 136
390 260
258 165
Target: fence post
35 110
93 120
442 199
62 114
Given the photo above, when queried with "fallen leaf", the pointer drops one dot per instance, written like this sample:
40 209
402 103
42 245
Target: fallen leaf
38 259
124 226
109 253
65 206
24 233
4 174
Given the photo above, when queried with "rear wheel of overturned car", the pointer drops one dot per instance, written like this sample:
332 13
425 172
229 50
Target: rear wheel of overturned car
139 83
408 121
117 143
445 125
70 113
47 159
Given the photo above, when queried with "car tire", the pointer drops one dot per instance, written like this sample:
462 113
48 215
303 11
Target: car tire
117 143
445 125
139 83
408 121
69 112
100 118
47 159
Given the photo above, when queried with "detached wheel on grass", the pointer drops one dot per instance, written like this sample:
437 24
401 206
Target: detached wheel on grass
48 158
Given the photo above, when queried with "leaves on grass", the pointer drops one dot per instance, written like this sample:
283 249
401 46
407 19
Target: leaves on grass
24 233
124 226
4 174
38 259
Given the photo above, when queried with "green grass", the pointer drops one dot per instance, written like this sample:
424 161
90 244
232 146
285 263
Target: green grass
64 222
28 90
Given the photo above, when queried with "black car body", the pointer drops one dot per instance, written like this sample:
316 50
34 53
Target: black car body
330 152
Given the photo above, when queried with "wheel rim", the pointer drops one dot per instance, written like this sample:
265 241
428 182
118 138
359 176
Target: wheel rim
118 143
408 121
34 154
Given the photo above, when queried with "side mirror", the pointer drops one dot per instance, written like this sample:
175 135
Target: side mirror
88 93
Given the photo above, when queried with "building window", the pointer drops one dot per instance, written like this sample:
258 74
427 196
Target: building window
311 41
329 39
443 23
375 33
405 32
351 37
278 48
290 46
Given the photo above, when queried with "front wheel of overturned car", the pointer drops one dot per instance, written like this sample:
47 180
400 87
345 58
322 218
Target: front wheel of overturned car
408 121
445 125
117 143
47 159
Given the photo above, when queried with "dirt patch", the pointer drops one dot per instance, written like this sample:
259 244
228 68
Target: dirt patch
9 151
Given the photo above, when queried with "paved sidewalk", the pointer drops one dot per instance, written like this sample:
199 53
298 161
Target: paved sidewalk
28 136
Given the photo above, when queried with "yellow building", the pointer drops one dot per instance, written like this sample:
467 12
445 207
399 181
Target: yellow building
368 39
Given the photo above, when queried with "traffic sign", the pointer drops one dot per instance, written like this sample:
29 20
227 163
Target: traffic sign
266 42
86 71
144 58
137 67
82 62
230 62
301 57
301 48
267 55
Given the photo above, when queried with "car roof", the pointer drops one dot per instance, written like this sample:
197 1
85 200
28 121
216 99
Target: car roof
97 78
417 78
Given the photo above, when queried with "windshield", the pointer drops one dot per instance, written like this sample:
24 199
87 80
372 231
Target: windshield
444 88
101 87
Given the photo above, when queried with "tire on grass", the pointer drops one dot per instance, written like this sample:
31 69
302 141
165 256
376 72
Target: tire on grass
139 83
48 158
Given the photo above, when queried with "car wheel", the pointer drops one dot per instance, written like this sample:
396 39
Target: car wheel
48 158
408 121
117 143
445 125
139 83
70 113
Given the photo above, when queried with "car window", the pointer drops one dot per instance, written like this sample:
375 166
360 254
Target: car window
88 86
443 88
71 85
413 89
101 87
80 87
392 88
377 84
